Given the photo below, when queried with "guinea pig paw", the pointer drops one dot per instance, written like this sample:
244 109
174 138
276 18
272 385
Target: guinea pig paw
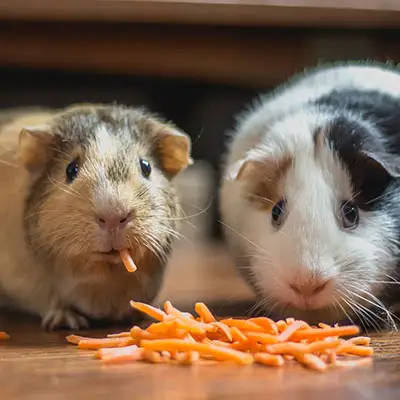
63 318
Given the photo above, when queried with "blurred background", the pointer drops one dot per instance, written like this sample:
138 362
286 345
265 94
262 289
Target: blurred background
197 63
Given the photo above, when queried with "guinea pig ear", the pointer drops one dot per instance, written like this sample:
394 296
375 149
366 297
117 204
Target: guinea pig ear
383 164
35 147
174 149
243 169
371 175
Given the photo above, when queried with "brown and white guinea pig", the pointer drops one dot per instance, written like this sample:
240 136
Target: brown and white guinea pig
310 199
77 185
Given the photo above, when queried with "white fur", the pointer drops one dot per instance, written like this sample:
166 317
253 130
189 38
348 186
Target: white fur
311 240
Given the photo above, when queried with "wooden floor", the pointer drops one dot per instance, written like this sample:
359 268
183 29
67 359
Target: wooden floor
39 365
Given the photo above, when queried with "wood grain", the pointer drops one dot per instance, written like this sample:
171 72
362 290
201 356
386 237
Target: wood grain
249 57
339 13
39 365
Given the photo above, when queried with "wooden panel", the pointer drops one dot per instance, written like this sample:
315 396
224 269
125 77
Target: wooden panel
350 13
248 56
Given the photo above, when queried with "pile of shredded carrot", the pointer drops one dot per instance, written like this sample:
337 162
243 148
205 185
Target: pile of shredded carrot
4 335
179 337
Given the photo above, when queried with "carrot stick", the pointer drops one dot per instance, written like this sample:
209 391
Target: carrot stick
286 334
243 324
287 348
127 260
266 323
94 344
75 339
269 359
354 363
152 356
202 348
313 333
237 335
324 326
322 345
204 312
225 329
264 338
151 311
4 336
281 325
121 334
362 351
311 361
360 340
192 325
120 355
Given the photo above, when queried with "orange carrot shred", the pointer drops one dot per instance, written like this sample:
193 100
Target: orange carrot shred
290 330
121 354
237 335
180 338
266 323
264 338
204 313
243 324
314 333
151 311
269 359
181 345
127 260
225 329
93 344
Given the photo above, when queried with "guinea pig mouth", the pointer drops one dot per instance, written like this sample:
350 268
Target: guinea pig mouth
111 256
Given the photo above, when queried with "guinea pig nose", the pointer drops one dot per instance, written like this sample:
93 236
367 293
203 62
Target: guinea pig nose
113 221
310 289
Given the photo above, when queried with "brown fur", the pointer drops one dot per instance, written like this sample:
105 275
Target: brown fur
61 234
265 180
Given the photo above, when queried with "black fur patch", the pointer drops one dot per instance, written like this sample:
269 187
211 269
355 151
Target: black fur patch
380 109
370 179
352 141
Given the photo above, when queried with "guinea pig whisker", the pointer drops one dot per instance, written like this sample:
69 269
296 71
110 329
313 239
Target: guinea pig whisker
377 303
243 237
266 199
353 307
354 196
374 304
391 277
201 210
383 282
376 198
337 303
262 305
154 246
66 189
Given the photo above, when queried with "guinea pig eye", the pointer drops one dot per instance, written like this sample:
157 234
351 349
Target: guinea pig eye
145 167
349 214
278 213
72 171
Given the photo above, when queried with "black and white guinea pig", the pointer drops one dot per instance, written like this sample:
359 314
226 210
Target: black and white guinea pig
310 198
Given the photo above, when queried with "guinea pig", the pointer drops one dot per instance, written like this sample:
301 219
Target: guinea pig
310 195
78 185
